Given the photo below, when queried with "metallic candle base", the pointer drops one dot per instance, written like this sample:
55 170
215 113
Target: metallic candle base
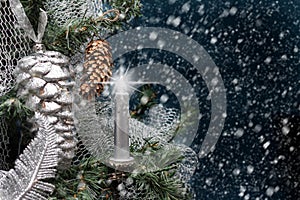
122 164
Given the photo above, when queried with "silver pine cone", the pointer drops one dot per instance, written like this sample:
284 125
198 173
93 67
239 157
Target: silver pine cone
43 79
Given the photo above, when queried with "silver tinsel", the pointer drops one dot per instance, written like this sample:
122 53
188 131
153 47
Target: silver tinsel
44 79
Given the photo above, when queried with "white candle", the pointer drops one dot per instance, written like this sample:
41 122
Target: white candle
121 131
121 126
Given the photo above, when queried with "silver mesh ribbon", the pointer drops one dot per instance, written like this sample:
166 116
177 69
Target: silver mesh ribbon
4 142
14 45
164 119
63 11
25 24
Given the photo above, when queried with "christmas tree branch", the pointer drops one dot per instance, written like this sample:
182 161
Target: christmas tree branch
69 38
13 107
91 179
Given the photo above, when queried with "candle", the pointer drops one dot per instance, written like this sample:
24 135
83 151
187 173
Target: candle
121 130
121 126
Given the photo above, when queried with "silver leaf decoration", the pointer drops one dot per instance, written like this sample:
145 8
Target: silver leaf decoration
43 19
38 162
25 24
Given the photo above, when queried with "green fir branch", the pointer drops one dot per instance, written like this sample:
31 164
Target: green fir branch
91 179
160 185
69 38
83 181
13 107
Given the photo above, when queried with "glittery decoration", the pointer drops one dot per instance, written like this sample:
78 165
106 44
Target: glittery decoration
35 164
45 81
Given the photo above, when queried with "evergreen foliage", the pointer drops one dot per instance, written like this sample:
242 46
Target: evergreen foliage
69 38
91 179
13 107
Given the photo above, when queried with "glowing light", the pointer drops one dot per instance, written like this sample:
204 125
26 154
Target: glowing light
122 86
122 81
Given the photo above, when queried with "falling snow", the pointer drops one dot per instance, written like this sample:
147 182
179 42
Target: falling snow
255 46
233 11
213 40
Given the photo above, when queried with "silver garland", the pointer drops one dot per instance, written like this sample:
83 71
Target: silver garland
4 142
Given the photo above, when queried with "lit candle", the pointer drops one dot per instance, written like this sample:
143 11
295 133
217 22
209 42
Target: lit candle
121 131
123 85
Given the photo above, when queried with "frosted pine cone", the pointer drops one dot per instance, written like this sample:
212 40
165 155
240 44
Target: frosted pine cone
97 68
43 79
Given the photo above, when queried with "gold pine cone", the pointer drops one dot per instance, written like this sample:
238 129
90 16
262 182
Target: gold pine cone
97 68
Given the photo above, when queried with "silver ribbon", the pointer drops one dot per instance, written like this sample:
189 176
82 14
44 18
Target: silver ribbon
25 24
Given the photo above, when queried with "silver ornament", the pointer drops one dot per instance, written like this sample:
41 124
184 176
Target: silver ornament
23 77
27 62
44 80
35 83
50 107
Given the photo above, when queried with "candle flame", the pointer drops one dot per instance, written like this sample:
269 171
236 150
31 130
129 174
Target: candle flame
122 81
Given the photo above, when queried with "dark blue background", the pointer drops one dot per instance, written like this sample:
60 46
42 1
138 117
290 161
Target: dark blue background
264 95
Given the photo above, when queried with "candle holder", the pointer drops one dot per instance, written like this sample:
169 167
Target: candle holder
121 159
